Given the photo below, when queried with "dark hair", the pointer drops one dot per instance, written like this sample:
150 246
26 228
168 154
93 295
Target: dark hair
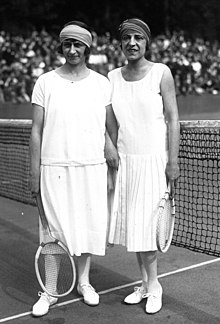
80 24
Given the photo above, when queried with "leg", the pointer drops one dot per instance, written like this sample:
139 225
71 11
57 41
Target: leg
142 270
84 263
154 289
52 266
84 288
151 287
137 296
147 262
149 266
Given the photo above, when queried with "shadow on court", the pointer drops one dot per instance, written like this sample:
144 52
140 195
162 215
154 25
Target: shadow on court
191 295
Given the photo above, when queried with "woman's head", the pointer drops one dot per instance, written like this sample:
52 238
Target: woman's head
76 30
135 25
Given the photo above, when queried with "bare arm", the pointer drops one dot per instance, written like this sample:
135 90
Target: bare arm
111 136
35 147
172 118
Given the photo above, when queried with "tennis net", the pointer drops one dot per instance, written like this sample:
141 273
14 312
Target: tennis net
197 224
14 160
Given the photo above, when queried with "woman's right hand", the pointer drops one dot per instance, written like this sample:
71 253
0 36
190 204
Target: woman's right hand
111 156
34 185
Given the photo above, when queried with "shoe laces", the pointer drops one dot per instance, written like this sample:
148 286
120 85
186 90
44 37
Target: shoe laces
151 296
147 295
42 294
140 290
88 288
45 296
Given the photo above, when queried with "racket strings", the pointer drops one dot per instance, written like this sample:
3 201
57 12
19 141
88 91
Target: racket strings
165 223
55 269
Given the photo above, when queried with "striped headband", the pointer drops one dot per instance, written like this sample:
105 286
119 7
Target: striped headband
137 25
79 33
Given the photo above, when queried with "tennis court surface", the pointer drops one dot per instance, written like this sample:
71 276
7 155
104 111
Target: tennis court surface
190 279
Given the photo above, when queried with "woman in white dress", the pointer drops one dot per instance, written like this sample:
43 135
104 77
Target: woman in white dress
144 103
71 111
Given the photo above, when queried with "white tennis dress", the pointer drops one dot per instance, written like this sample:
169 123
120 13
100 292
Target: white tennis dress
142 146
73 167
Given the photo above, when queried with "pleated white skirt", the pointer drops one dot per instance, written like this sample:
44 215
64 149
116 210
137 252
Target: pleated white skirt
140 185
75 204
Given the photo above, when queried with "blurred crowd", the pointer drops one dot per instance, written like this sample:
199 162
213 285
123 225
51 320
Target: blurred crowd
195 63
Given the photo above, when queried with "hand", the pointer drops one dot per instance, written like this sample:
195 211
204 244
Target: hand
111 156
172 175
34 185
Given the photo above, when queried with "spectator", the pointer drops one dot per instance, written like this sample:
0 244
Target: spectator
195 64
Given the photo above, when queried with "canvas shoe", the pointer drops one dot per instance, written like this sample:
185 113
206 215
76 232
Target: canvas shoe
89 294
154 301
136 297
41 307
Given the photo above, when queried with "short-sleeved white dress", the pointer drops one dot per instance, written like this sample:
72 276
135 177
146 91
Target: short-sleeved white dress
143 149
73 167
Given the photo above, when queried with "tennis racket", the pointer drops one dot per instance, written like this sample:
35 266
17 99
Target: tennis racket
165 221
54 266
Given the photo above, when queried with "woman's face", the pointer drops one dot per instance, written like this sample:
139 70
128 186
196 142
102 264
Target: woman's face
73 51
133 45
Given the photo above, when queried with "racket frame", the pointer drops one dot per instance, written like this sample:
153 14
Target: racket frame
167 197
43 244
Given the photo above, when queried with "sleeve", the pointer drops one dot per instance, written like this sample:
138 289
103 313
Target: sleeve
38 92
111 84
109 75
107 92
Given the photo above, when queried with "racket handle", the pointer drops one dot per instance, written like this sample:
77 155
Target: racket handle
41 211
171 190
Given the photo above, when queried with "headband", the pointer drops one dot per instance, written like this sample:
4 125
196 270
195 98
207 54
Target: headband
137 25
79 33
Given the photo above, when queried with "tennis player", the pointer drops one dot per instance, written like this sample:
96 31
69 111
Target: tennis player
144 103
71 111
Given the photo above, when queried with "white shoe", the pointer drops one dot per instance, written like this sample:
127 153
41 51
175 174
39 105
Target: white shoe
89 294
154 301
136 297
41 307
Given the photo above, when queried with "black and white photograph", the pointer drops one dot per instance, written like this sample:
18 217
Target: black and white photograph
110 161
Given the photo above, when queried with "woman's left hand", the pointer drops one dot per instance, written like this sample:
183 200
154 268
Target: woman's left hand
172 175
